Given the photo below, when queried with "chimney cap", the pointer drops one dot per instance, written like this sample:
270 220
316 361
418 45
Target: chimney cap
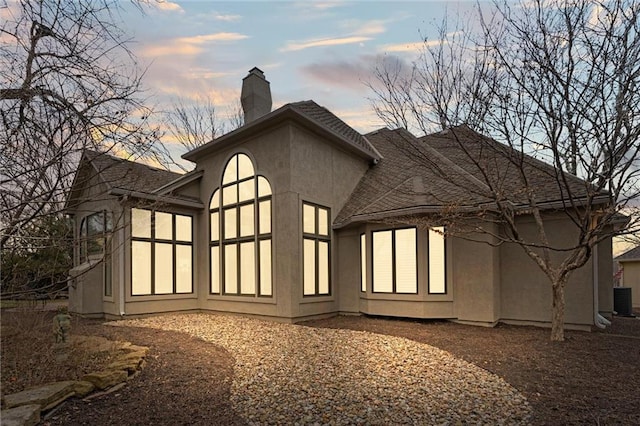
255 71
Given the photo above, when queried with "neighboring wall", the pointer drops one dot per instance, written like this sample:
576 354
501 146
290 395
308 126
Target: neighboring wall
631 278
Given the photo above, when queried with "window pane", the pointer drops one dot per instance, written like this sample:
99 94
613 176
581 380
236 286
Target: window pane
108 283
140 267
437 261
265 217
183 228
230 229
215 269
229 195
108 220
363 262
382 262
308 219
246 220
265 268
163 268
323 267
406 271
184 265
309 249
245 167
264 187
231 171
215 226
164 227
323 221
141 223
230 269
95 224
247 268
247 190
215 200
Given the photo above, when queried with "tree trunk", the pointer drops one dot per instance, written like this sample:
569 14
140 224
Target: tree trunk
557 315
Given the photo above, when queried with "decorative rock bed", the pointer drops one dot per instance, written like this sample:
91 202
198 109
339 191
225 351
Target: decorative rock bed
24 408
291 374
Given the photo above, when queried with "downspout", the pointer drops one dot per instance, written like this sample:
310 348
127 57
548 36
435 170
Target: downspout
598 320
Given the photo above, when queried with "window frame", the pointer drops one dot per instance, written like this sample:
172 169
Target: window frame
152 241
444 261
317 239
238 239
103 238
394 264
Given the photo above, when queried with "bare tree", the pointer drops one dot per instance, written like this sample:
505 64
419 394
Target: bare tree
68 81
195 122
554 80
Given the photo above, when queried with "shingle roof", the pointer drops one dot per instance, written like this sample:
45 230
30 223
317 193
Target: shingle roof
124 177
411 175
445 170
629 255
504 166
327 119
129 175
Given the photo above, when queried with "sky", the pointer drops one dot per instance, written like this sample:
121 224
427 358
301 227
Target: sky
324 51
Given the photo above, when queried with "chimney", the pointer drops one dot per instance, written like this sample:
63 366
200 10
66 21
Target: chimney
256 95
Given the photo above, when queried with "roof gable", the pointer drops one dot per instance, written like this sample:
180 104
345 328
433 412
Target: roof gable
124 177
307 113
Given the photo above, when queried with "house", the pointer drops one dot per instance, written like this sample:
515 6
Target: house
295 216
629 262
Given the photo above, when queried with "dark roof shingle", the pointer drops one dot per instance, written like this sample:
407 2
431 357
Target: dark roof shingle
633 254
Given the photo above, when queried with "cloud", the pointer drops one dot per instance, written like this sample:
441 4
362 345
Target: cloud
167 6
357 32
227 18
346 74
293 46
206 38
190 46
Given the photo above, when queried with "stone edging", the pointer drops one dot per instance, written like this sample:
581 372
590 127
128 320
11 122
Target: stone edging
24 408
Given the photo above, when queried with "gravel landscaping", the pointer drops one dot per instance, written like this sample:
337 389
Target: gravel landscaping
292 374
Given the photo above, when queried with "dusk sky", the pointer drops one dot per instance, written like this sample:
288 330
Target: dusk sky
323 51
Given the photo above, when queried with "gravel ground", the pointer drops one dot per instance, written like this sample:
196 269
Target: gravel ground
291 374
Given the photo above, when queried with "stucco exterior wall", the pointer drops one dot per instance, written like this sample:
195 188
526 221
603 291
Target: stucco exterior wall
475 262
86 291
300 166
526 291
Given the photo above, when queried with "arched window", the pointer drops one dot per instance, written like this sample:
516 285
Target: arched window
240 218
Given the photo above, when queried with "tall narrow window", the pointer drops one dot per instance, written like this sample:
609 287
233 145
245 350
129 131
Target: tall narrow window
95 239
240 220
437 261
395 261
161 253
316 243
363 262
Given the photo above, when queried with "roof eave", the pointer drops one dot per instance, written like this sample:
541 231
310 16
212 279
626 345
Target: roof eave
157 198
179 182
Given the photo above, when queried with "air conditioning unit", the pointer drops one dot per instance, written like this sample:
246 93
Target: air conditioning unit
622 301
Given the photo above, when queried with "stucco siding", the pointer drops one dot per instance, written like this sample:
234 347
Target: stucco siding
526 290
631 278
